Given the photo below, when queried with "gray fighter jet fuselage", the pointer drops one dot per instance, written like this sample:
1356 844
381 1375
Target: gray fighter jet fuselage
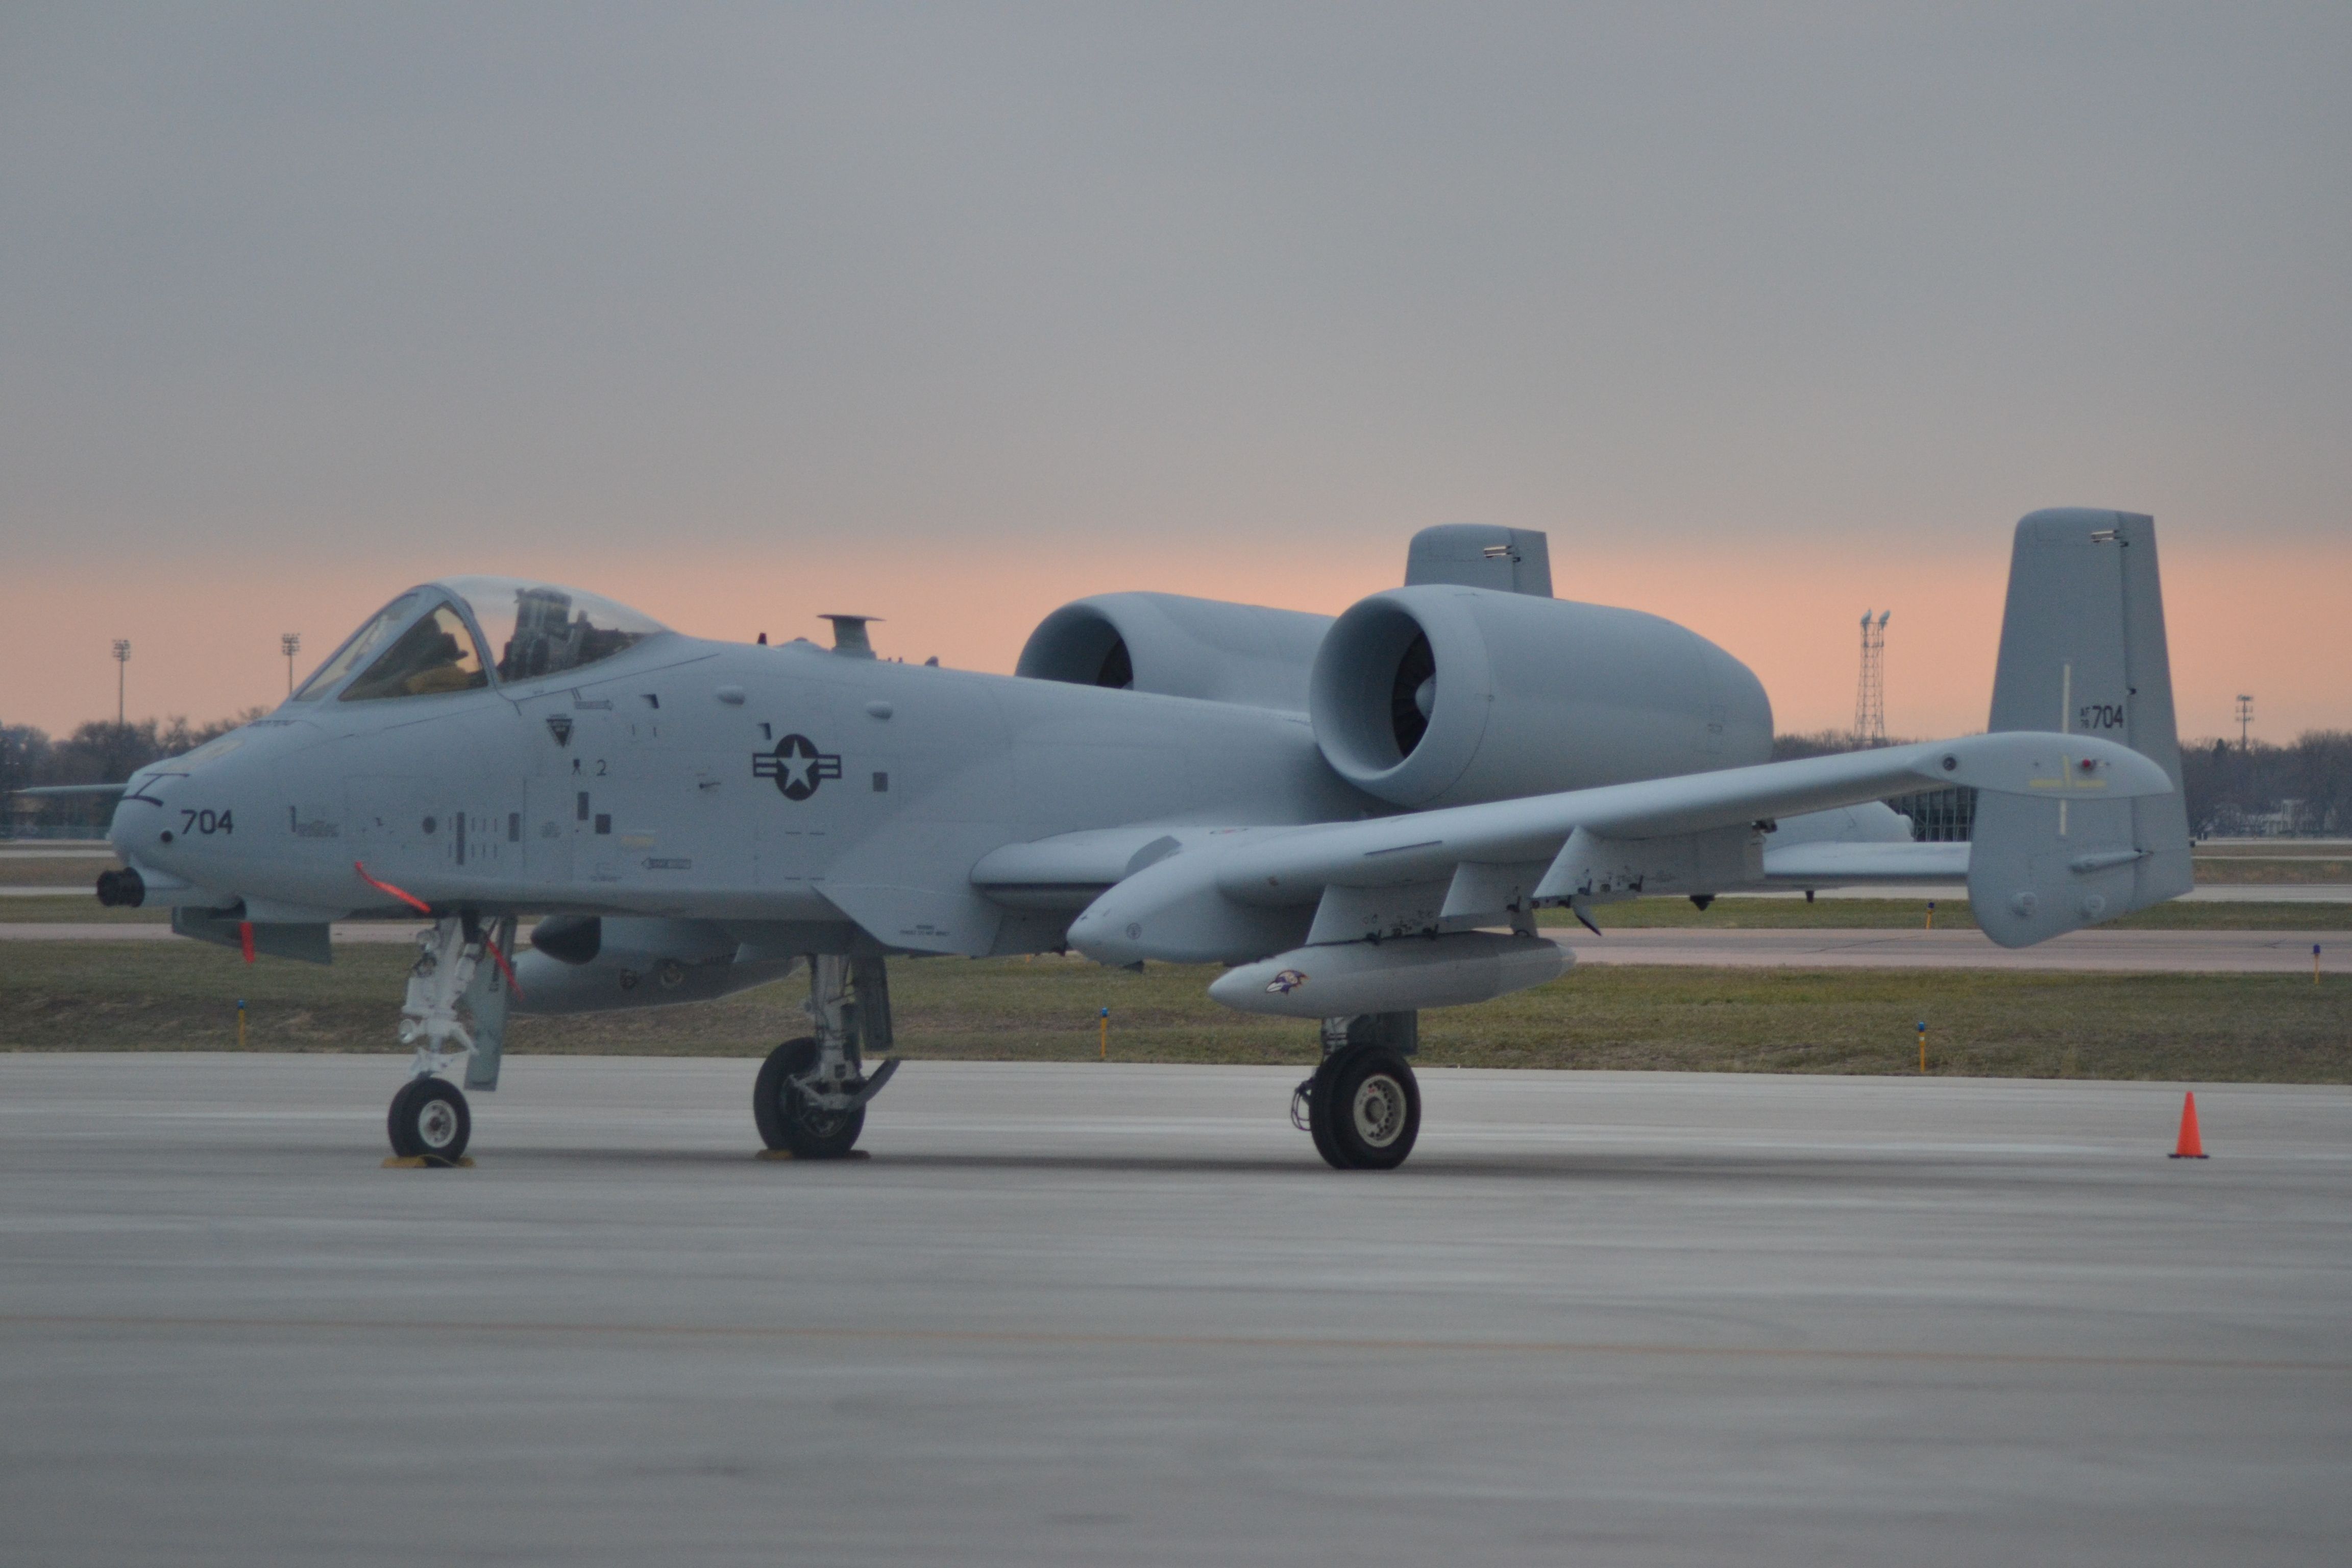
683 777
1362 816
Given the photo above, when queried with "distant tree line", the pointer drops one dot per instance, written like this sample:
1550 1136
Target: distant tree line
2303 788
100 751
2261 790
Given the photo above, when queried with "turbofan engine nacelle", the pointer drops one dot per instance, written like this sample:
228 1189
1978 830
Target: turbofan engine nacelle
1443 695
586 965
1179 647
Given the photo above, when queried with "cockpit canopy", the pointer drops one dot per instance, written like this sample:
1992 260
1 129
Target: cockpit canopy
430 640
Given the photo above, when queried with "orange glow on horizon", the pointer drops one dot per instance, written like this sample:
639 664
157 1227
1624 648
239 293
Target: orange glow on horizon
206 644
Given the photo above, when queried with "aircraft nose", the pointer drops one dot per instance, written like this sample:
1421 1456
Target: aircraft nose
136 830
196 815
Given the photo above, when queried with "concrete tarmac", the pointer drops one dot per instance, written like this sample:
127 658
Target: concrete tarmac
1122 1314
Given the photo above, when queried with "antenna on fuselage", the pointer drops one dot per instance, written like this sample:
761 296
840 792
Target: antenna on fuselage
849 639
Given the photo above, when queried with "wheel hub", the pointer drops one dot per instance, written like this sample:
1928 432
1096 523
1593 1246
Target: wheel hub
436 1124
1379 1111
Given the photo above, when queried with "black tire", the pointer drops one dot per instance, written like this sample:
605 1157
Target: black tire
404 1143
1317 1127
787 1121
1365 1110
429 1119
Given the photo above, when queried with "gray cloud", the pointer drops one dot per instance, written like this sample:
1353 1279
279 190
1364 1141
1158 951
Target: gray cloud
308 278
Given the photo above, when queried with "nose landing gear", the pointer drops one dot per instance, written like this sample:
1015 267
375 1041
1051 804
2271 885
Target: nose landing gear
1363 1106
429 1119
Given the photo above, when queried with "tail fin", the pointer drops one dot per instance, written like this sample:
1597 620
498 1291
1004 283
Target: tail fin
2082 652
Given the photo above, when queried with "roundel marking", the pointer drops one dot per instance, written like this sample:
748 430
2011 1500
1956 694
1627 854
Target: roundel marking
797 766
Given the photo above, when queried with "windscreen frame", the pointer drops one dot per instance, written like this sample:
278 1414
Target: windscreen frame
435 598
326 688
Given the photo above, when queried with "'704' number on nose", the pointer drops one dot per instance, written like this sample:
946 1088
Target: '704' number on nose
206 821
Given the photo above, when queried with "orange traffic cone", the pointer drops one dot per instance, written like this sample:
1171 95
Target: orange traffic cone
2192 1146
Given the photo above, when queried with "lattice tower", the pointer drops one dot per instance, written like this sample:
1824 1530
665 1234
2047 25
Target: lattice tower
1870 692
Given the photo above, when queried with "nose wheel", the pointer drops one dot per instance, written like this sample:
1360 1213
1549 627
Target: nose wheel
429 1119
1363 1108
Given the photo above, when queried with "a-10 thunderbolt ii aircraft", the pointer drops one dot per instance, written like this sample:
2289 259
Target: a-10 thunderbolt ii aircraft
1360 816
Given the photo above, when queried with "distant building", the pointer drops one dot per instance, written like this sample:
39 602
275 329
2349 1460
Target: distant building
1940 816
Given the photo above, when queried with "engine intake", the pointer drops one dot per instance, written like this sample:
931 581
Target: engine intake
1179 647
1441 695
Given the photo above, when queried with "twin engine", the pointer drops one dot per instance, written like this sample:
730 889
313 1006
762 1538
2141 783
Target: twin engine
1444 695
1469 683
1179 647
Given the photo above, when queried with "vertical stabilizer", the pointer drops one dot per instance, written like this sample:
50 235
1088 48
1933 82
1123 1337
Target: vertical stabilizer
2082 653
1481 555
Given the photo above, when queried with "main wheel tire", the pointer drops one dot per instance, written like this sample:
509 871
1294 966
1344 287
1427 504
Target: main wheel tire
1366 1108
1318 1123
787 1121
429 1119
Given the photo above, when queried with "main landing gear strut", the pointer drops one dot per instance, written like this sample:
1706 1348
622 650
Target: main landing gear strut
810 1097
1363 1106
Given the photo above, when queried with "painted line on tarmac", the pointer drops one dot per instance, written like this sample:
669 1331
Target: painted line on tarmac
1009 1338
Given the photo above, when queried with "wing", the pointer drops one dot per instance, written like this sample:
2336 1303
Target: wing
1234 895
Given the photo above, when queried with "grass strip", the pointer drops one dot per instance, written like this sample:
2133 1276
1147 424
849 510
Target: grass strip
2254 1029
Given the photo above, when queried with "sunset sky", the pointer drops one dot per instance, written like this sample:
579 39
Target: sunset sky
951 314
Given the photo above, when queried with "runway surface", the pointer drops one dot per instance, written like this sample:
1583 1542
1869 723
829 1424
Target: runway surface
2172 951
1121 1314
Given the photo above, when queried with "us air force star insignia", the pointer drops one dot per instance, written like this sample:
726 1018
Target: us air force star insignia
797 766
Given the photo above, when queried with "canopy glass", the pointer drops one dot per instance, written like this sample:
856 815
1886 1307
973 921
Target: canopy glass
421 646
536 628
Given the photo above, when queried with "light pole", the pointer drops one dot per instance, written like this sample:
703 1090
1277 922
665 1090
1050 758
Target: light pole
291 643
122 669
